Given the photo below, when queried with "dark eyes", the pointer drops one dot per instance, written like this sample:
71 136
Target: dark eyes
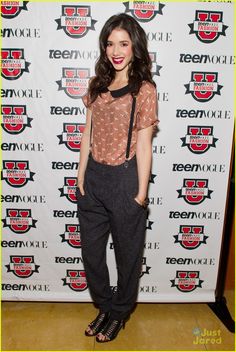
109 44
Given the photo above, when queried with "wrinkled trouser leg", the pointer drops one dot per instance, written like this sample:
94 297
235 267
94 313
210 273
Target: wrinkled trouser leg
109 205
94 229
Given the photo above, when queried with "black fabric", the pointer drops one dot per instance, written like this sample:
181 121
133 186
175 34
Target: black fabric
117 93
109 206
130 127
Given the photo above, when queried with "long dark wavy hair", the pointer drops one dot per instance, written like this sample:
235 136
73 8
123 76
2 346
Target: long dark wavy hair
140 67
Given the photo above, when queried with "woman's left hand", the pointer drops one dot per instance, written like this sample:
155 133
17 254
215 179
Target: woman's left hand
140 201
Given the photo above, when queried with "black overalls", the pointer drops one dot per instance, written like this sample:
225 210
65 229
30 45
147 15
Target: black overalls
109 206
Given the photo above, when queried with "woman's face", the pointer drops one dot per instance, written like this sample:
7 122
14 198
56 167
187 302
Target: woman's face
119 49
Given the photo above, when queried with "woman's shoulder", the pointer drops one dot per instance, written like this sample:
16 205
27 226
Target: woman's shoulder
147 88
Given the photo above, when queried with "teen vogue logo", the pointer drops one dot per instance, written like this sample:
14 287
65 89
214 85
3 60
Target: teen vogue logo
74 81
15 119
155 68
194 191
145 268
199 139
190 236
11 9
71 136
144 11
22 266
19 221
76 21
13 63
187 281
16 173
203 86
76 280
69 189
208 26
72 235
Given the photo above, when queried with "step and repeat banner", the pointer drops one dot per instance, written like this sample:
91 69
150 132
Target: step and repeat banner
48 54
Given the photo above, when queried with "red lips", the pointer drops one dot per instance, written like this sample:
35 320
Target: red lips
117 61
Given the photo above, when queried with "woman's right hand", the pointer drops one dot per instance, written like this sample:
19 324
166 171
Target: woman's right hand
80 185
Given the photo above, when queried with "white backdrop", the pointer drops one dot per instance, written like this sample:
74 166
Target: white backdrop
48 55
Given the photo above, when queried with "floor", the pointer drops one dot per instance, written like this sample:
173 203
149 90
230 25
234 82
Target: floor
32 326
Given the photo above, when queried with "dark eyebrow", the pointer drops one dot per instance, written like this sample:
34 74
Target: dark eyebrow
121 41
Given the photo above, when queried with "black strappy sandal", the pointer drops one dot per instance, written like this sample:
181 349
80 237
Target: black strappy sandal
98 324
111 330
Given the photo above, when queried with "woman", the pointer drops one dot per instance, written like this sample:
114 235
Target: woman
114 170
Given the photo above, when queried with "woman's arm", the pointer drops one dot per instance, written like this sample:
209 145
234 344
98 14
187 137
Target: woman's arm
144 161
84 152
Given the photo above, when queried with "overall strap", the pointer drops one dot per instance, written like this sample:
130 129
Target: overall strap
91 130
90 135
130 128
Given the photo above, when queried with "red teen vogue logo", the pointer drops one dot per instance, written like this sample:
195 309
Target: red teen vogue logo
194 191
71 136
69 189
203 86
76 280
15 119
72 235
13 63
16 173
144 11
22 266
199 139
208 25
190 236
187 281
74 81
76 21
19 221
11 9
